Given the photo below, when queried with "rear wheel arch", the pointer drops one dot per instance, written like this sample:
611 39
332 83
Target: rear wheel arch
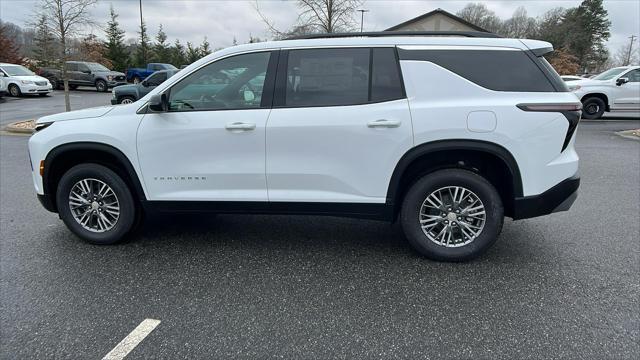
62 158
492 161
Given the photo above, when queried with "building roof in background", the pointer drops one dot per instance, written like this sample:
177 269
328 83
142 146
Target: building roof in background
434 12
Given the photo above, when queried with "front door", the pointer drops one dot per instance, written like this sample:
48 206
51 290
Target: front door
339 125
627 95
209 145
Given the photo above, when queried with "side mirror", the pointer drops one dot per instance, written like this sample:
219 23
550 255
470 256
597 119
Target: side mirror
249 95
158 103
622 80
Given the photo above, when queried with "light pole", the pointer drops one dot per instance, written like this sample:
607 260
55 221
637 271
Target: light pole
362 11
632 37
144 52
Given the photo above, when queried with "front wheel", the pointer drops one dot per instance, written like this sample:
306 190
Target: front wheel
101 86
126 100
593 108
95 204
14 90
452 215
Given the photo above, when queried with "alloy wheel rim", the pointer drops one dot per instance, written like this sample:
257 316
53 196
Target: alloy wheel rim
592 109
452 216
14 91
126 101
94 205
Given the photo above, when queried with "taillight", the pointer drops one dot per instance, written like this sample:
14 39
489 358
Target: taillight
571 111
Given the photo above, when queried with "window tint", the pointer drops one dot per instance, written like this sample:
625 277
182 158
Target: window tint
323 77
633 75
156 79
500 70
386 83
72 67
83 67
232 83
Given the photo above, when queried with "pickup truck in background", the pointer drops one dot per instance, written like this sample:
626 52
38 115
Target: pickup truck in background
135 75
82 73
127 94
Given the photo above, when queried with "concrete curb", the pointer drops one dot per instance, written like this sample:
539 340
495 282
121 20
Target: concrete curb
15 128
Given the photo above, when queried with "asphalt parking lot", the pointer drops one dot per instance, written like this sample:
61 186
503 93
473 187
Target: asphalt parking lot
229 286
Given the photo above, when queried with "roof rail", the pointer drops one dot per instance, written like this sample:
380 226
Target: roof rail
475 34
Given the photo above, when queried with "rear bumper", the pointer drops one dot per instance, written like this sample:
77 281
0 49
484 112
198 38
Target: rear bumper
558 198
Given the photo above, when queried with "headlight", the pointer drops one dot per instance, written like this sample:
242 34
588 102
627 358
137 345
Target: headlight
113 93
26 82
110 77
574 87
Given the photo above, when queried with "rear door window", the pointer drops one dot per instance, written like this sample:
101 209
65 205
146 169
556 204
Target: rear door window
327 77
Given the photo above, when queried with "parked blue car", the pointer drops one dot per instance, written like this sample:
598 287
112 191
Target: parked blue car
135 75
127 94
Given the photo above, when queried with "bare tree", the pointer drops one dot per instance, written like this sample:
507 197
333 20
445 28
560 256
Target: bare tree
480 15
627 55
520 25
66 18
318 16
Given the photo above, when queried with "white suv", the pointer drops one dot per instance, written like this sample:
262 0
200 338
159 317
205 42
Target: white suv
446 134
616 89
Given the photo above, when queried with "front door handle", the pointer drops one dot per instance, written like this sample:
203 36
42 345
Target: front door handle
240 126
383 123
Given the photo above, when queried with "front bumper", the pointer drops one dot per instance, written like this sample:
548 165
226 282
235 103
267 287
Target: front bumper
36 89
558 198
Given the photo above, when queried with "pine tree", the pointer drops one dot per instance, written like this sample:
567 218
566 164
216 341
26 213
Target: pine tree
116 50
205 48
44 50
587 29
143 50
162 52
192 53
178 57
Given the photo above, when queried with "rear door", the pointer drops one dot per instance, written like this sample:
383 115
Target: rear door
84 74
627 96
339 125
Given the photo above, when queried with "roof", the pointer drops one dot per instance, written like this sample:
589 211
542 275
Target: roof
479 34
438 11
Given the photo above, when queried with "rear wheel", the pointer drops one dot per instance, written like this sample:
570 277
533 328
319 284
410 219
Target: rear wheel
593 108
95 204
73 87
452 215
101 86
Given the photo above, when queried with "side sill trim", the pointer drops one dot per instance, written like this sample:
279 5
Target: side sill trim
353 210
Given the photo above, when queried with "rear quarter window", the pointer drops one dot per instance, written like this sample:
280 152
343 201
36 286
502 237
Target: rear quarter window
500 70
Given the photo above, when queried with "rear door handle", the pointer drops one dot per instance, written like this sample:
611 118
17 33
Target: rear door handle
240 126
383 123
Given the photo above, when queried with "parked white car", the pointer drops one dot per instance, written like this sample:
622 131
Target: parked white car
616 89
445 134
3 87
21 81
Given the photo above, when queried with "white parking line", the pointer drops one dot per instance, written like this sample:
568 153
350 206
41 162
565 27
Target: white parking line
132 340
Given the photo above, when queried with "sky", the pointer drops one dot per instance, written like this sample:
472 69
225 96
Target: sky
222 20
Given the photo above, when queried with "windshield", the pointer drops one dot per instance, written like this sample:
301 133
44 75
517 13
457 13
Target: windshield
17 70
609 74
97 67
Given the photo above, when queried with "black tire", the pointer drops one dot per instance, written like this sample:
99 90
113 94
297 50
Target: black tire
101 86
73 87
423 187
124 98
128 214
43 94
593 108
14 90
55 84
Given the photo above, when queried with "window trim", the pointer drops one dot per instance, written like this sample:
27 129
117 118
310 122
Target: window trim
266 90
280 90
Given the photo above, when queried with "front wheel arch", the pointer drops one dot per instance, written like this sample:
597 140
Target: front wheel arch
64 157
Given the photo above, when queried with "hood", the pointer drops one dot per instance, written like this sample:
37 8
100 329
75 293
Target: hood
78 114
30 77
588 82
129 87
